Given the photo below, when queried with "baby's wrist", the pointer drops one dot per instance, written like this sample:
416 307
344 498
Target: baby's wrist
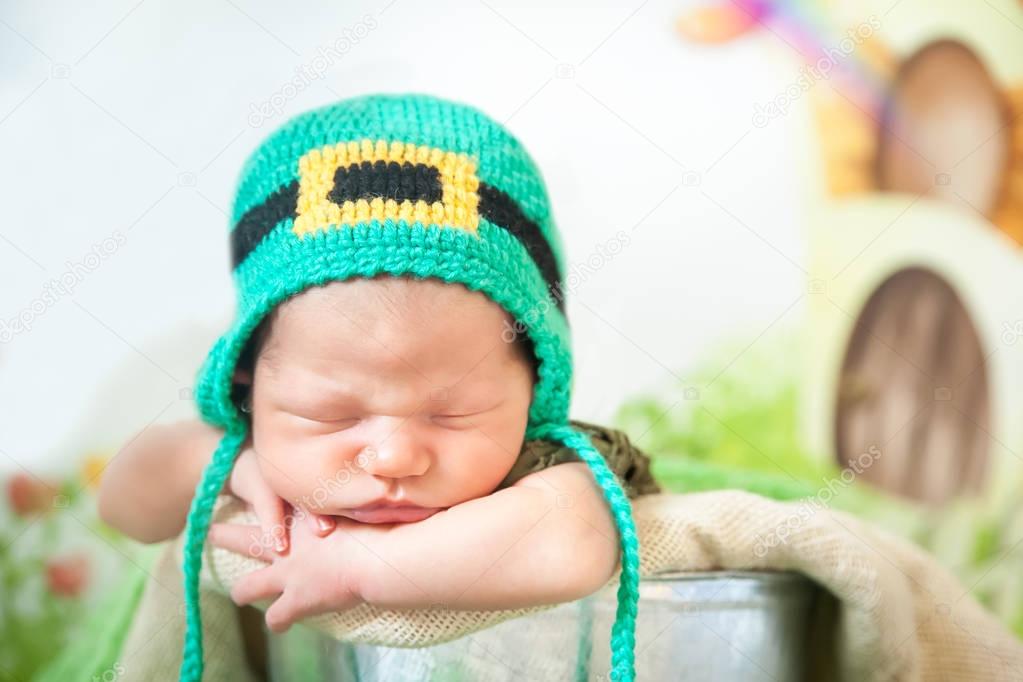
355 581
370 556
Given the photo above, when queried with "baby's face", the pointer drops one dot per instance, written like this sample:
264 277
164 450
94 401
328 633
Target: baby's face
387 400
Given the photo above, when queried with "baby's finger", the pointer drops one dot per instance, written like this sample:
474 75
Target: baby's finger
256 586
320 525
281 614
299 601
270 511
295 604
240 539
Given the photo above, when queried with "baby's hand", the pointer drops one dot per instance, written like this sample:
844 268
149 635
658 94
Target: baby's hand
317 576
247 483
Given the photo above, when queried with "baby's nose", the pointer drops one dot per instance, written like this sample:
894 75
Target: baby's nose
397 455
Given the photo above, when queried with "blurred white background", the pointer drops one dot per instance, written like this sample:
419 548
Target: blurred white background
123 126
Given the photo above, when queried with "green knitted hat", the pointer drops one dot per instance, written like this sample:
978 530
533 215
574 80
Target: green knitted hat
401 185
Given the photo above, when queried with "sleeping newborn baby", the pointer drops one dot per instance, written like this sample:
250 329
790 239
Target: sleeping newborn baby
392 399
377 403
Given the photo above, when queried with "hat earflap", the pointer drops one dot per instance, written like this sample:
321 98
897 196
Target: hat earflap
198 524
623 632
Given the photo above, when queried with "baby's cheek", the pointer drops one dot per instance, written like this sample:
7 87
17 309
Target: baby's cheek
309 481
285 476
477 467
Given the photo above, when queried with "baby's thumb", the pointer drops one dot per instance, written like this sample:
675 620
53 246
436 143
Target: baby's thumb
270 512
319 524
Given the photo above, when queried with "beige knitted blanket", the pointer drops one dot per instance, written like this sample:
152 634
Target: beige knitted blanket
900 615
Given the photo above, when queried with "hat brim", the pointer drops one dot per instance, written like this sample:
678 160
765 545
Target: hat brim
489 260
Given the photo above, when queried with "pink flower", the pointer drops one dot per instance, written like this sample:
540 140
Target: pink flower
28 495
67 577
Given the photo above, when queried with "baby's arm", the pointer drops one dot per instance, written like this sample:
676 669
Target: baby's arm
548 538
147 487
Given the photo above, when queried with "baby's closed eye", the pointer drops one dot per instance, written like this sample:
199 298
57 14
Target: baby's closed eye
458 420
335 422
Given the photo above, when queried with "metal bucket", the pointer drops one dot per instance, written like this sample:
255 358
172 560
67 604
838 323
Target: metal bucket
691 626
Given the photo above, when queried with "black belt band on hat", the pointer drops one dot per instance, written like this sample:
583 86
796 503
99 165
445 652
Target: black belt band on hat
401 182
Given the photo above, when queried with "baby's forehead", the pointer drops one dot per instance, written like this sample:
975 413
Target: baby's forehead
405 298
404 314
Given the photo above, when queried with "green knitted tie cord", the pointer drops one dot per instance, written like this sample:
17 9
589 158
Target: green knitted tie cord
623 632
198 525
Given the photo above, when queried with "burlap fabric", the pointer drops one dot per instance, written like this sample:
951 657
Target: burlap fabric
899 615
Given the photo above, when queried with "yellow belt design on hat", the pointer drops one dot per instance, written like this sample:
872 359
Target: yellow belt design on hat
405 181
355 182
